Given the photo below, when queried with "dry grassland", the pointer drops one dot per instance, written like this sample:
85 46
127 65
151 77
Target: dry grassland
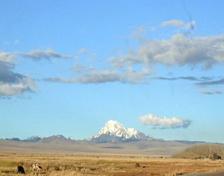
104 165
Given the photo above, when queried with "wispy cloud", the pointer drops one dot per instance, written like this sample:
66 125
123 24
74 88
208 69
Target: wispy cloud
187 78
212 92
104 76
33 54
43 54
212 82
188 25
202 82
164 122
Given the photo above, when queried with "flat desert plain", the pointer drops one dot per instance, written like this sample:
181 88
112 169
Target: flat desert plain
104 165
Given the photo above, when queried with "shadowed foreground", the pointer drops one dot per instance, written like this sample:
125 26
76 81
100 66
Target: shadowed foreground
104 165
219 173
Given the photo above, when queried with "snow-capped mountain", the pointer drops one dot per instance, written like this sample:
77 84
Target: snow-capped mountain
114 131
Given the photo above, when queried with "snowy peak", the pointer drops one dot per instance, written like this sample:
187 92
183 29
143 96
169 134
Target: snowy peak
115 131
133 133
113 128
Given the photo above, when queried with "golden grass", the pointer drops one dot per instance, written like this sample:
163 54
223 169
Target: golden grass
104 165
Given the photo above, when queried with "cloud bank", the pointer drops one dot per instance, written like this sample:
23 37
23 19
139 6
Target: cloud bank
139 64
178 50
164 122
136 66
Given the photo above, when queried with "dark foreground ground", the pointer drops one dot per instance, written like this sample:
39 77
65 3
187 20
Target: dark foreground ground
220 173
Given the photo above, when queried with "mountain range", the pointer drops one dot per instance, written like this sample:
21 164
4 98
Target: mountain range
112 138
113 131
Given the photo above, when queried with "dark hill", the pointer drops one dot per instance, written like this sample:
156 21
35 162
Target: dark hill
211 151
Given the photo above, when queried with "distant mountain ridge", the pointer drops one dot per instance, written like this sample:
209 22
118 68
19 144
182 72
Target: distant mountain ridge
39 139
29 139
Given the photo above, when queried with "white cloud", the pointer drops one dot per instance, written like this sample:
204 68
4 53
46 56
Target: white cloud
164 122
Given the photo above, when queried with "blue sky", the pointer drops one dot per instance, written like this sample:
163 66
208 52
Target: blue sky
67 67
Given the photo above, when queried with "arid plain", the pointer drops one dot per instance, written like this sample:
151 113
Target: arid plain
105 165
